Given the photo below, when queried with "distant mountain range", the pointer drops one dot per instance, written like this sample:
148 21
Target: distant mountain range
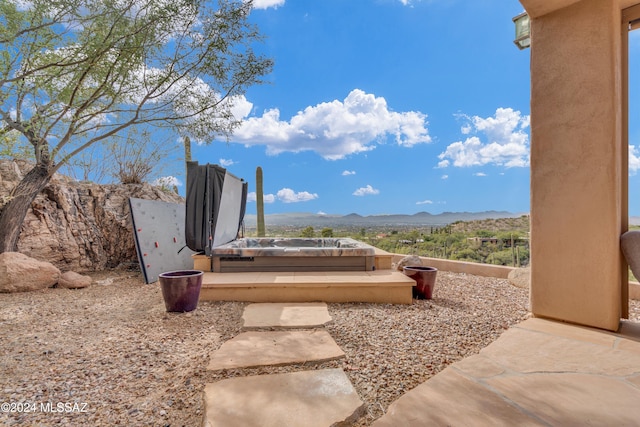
302 219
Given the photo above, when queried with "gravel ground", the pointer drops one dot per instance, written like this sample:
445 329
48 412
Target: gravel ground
110 354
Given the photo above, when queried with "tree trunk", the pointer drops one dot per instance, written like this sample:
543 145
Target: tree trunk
15 210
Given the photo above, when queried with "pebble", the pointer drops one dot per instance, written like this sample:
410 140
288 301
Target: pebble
116 349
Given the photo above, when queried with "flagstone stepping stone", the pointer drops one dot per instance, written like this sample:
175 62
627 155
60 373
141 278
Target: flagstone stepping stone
286 315
253 348
320 398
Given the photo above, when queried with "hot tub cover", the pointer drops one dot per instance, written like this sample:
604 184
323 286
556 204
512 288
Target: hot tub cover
215 206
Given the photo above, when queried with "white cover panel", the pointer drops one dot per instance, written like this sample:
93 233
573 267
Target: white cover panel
227 224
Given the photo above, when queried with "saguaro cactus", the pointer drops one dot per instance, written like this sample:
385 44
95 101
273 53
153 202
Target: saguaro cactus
187 152
260 202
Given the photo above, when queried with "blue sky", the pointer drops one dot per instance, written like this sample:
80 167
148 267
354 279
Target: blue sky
386 106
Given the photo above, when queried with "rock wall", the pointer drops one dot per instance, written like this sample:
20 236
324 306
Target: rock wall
79 226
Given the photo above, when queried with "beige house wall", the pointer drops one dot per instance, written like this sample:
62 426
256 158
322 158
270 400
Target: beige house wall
536 8
578 179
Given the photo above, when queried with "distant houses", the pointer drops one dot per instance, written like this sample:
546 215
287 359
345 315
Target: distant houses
495 240
484 240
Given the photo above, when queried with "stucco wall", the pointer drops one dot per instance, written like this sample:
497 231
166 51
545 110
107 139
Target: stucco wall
477 269
576 164
536 8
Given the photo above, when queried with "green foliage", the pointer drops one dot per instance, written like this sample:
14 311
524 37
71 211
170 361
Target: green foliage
503 257
308 232
75 72
467 254
11 147
326 232
479 245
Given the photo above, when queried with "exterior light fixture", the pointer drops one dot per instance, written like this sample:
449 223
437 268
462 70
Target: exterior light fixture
523 31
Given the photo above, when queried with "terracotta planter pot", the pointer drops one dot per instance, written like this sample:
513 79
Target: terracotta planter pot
630 243
425 278
181 289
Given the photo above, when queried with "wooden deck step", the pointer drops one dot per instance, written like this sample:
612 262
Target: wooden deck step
380 286
383 259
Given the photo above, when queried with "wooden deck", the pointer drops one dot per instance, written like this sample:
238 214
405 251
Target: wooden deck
380 286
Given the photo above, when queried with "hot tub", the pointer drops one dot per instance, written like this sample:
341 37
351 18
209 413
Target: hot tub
293 254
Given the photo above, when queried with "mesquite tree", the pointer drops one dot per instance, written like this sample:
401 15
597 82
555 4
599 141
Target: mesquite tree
75 72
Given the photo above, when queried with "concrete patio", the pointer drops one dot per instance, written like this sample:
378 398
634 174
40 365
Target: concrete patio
309 397
538 373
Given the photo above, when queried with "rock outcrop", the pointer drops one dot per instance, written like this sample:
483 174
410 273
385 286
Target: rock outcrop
79 226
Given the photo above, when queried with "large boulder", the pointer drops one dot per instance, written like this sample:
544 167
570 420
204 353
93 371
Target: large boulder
20 273
79 226
520 277
409 260
73 280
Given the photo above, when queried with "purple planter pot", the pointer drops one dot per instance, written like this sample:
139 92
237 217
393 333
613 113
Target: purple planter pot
425 278
181 289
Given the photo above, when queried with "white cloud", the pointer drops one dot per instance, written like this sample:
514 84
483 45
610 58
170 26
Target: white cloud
347 173
444 177
241 107
265 4
425 202
321 213
335 129
266 198
167 181
507 143
480 174
287 195
363 191
634 160
226 162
